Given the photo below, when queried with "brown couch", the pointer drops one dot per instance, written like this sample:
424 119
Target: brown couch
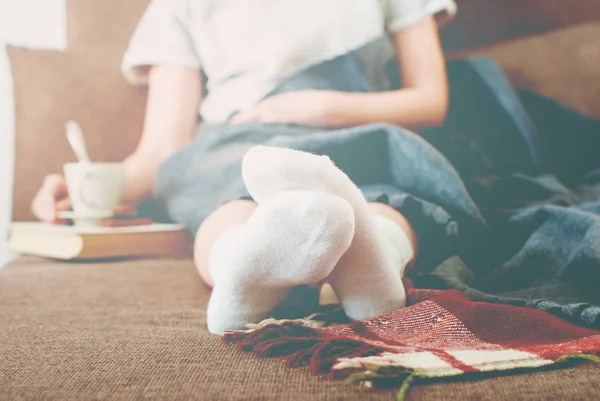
136 329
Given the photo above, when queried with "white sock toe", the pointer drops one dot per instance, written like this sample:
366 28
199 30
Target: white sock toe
295 238
366 279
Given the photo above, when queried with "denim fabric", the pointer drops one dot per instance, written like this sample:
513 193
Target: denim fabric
493 217
388 163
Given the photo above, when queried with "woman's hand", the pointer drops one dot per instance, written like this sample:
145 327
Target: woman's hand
308 107
421 102
51 198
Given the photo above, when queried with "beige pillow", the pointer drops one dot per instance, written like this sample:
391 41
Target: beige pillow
92 23
52 87
481 23
563 65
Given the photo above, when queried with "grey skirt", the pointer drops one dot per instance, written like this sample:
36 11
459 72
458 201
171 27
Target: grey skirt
389 164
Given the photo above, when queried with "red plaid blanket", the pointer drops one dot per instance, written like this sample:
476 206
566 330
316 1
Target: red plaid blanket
440 333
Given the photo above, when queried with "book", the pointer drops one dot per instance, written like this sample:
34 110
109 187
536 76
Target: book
98 242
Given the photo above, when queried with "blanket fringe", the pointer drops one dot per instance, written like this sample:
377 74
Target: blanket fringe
405 386
397 376
578 357
299 345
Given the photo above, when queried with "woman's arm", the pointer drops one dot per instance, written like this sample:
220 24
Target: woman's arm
171 120
422 101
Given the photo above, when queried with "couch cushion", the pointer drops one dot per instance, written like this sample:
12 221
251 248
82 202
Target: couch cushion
52 87
136 329
563 65
93 23
482 23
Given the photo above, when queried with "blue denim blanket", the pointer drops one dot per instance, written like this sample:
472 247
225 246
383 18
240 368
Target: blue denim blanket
500 211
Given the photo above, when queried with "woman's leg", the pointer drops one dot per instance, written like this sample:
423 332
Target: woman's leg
229 215
237 212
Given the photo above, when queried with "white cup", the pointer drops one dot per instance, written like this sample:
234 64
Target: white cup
95 189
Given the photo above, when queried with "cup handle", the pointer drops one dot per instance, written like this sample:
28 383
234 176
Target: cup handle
82 193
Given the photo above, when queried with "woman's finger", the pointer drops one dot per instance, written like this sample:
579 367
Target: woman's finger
63 204
55 185
51 197
44 208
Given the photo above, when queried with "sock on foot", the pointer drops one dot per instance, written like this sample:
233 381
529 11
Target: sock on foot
395 241
295 238
366 279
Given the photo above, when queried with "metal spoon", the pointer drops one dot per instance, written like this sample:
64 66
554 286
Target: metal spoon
77 141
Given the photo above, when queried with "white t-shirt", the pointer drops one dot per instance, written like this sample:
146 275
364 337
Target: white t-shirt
247 47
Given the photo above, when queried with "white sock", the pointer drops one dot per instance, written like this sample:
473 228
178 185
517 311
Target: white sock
394 240
295 238
366 279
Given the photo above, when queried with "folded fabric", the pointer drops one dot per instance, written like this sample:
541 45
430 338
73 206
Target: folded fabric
503 197
440 334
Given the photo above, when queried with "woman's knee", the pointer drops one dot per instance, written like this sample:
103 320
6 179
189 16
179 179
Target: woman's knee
229 215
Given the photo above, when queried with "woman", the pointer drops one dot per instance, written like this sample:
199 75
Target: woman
304 221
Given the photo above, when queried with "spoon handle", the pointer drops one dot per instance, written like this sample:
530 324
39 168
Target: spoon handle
77 141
